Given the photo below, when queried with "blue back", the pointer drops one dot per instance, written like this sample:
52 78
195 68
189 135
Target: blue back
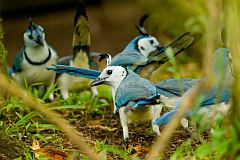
132 45
175 87
130 55
133 88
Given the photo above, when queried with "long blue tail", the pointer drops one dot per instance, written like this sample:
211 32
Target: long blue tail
178 45
80 72
165 118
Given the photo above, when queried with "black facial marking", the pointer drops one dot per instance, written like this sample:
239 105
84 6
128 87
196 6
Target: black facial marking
142 48
123 73
151 41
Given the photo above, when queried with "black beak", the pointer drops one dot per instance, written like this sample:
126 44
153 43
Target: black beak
40 41
159 47
97 82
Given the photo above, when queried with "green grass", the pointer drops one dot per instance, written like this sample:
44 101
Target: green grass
116 151
25 125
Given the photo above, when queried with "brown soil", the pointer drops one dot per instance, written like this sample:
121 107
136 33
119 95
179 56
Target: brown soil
107 128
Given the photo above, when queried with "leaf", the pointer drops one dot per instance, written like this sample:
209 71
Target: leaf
66 107
49 152
141 149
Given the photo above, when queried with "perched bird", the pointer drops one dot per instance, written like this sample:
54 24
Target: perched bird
30 63
135 86
130 90
81 55
216 97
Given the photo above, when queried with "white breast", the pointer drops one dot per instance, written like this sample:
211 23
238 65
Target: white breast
37 73
139 115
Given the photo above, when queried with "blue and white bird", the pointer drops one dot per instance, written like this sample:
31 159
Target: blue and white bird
30 63
132 93
212 99
131 90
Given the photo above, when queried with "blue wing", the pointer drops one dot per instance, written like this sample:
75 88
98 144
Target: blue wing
80 72
210 97
128 59
175 87
215 95
10 71
17 63
134 88
147 101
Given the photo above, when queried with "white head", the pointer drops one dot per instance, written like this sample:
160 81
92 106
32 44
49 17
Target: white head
148 44
34 35
112 75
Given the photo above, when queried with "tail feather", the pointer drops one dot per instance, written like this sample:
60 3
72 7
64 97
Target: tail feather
81 37
178 45
165 118
80 72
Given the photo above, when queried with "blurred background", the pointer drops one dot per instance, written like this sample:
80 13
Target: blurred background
112 24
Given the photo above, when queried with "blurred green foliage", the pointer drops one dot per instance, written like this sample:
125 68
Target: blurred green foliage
3 52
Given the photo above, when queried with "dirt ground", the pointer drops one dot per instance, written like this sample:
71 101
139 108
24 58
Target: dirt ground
107 128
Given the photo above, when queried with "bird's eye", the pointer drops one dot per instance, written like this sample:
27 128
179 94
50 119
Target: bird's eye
109 72
142 48
151 41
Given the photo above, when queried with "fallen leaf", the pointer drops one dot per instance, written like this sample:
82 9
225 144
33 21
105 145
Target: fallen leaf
35 145
141 149
49 152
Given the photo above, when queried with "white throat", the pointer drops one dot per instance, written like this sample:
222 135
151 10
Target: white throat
115 85
116 82
37 53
